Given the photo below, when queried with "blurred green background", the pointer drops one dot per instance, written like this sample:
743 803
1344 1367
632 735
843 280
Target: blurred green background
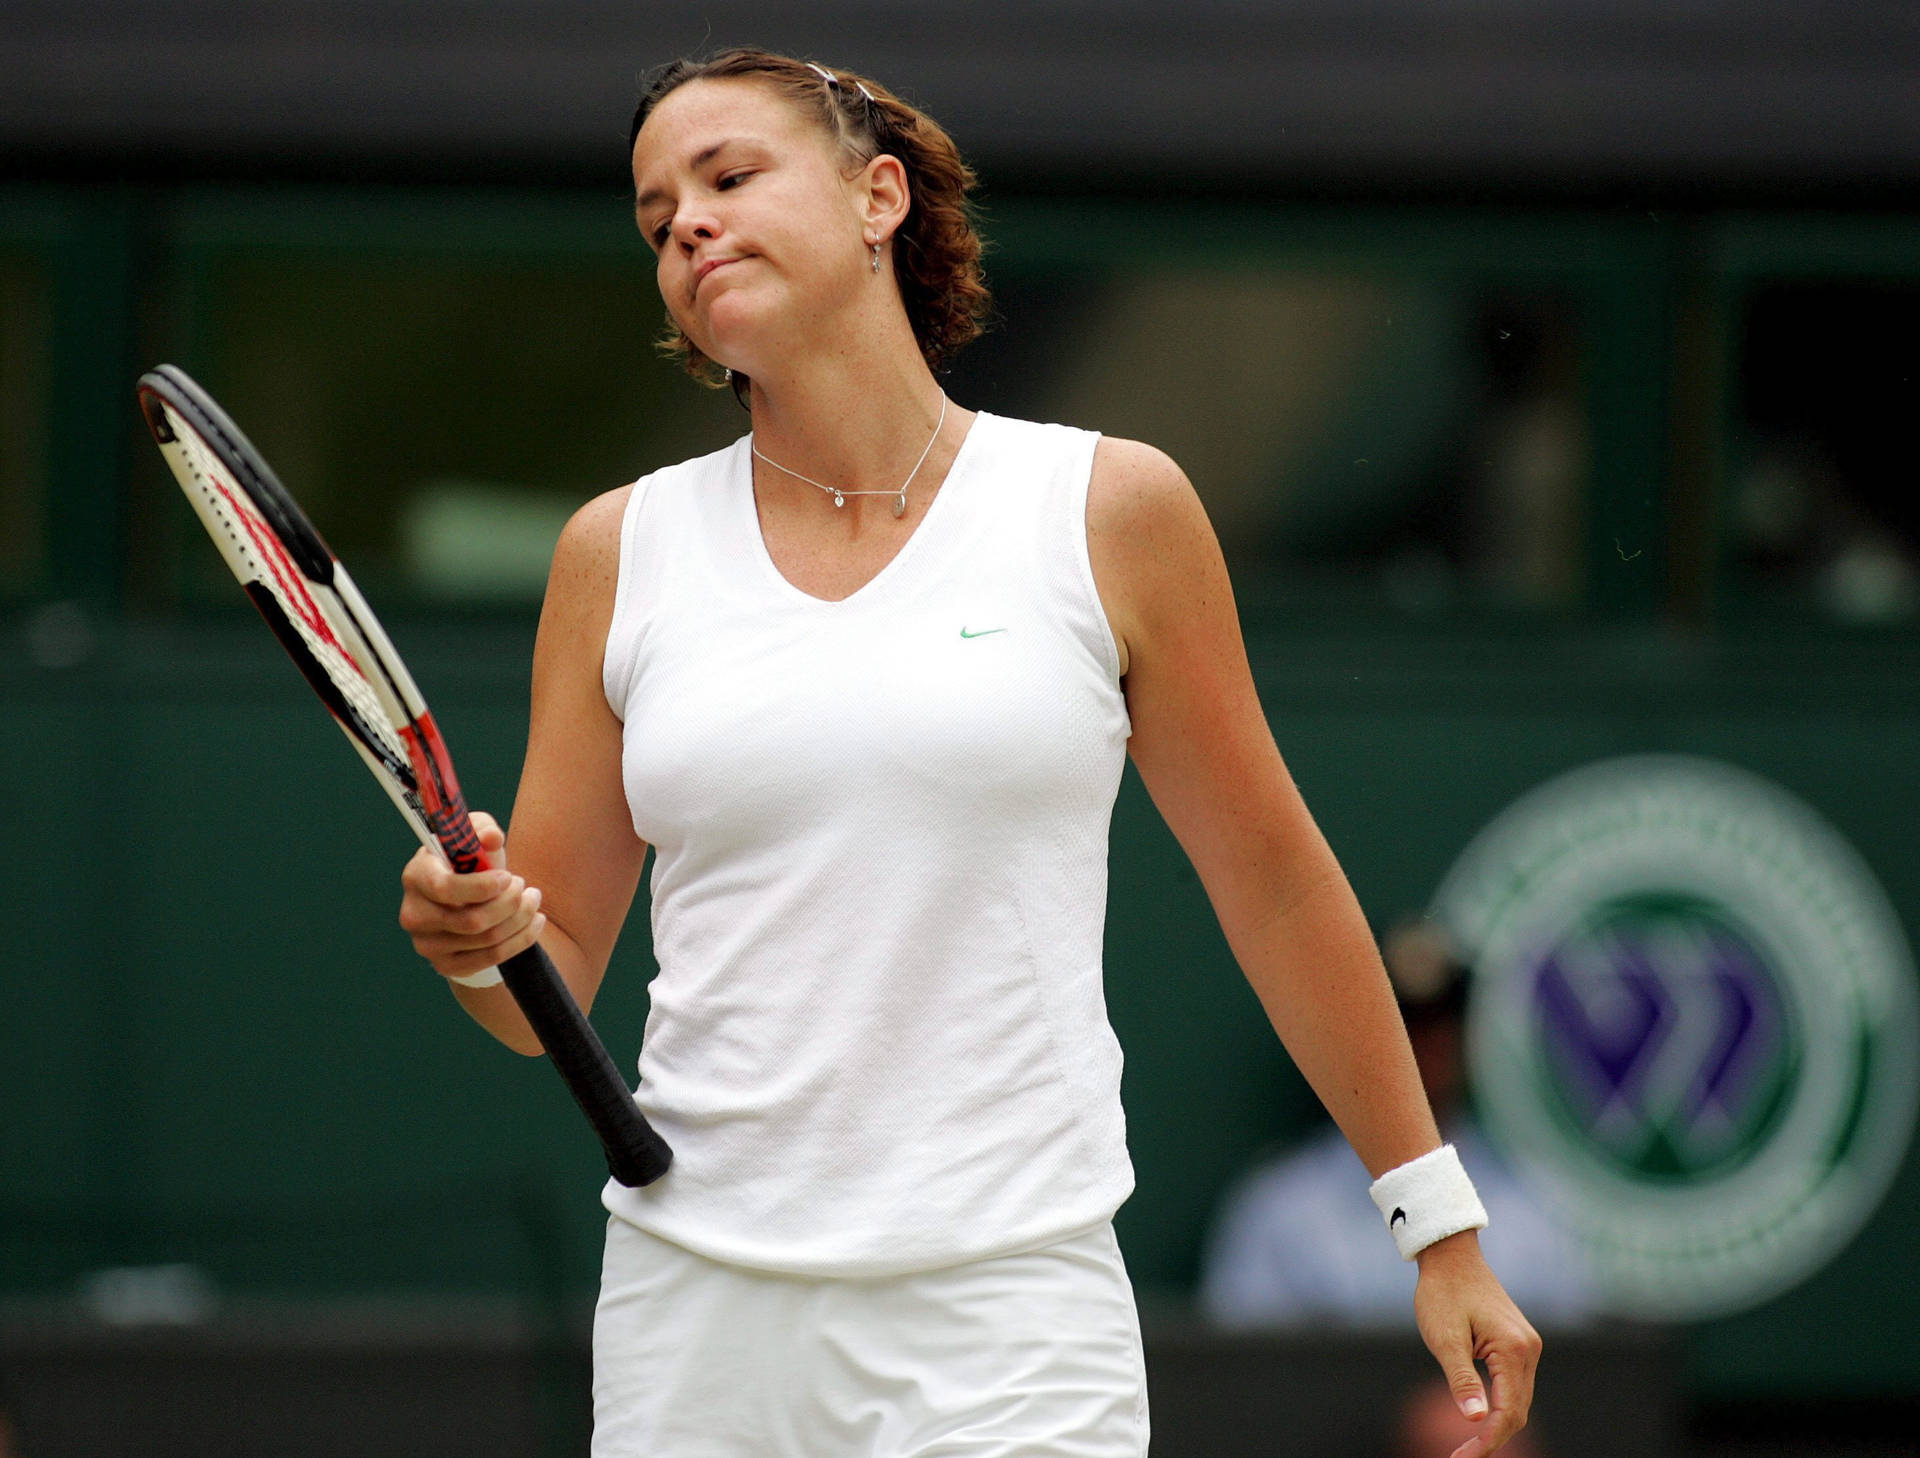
219 1018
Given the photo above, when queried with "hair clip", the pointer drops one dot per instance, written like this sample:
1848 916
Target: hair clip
826 75
866 93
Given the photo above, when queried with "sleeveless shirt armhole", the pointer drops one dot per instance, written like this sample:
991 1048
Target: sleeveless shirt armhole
617 658
1083 557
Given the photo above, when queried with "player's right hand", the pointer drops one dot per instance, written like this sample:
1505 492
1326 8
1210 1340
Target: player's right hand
464 924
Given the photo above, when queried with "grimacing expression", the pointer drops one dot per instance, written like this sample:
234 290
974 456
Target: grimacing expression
751 212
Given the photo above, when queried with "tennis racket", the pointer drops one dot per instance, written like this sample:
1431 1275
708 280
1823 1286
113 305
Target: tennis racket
322 621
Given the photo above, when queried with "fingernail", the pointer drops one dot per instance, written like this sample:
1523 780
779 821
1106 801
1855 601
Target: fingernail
533 899
1473 1407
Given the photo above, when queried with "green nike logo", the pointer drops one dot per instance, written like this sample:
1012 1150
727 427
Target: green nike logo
983 633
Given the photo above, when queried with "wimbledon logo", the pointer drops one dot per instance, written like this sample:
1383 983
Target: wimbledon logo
1693 1025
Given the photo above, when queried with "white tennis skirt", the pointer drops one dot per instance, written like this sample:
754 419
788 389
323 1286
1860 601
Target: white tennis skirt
1035 1355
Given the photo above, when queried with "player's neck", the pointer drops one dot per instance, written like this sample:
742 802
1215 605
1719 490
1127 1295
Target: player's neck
857 422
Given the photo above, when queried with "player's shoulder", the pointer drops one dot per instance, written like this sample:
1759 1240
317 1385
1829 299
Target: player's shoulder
1143 515
1132 473
1128 477
589 545
591 540
582 584
695 473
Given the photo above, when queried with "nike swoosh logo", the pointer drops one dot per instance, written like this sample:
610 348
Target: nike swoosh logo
983 633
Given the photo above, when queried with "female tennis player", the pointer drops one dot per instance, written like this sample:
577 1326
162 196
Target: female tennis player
865 681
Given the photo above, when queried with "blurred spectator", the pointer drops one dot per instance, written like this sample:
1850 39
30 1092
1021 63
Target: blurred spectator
1800 529
1821 509
1525 499
1297 1240
1430 1426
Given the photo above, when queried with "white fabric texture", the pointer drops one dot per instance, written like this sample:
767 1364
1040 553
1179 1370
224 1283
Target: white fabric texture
878 1040
1015 1356
1427 1199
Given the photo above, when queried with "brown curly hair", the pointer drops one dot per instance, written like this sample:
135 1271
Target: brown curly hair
936 255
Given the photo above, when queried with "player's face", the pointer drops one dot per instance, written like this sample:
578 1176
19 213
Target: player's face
756 228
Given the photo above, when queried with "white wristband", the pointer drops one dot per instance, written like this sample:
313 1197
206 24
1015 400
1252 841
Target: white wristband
485 977
1427 1199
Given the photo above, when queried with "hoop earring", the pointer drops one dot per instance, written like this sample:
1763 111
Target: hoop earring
876 258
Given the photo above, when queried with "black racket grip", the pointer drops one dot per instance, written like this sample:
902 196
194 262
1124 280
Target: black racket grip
636 1154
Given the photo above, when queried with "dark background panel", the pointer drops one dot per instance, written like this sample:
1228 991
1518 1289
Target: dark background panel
1585 95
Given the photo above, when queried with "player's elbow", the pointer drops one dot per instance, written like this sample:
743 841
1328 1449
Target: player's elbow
516 1035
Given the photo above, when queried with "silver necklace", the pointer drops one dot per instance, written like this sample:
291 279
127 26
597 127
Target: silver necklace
840 497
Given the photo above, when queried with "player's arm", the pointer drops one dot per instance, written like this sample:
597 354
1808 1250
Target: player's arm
569 876
1207 757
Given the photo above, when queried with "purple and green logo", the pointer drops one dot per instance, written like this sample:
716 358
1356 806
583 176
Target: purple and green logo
1668 1042
1693 1026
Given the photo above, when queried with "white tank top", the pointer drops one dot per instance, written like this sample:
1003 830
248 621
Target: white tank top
878 1041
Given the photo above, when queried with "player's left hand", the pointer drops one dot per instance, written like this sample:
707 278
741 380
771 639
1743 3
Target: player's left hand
1465 1315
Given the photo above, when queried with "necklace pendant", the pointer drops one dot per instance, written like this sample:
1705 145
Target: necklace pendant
900 505
838 499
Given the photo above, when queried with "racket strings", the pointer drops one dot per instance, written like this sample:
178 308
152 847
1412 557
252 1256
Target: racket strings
432 788
251 539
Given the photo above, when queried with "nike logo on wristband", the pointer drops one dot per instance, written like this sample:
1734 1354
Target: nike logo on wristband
1399 1217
